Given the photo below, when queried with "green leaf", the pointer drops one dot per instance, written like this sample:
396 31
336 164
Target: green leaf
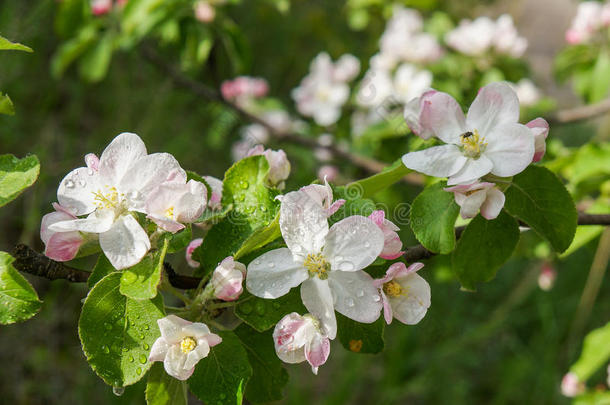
140 282
355 204
433 216
600 79
18 299
69 51
361 337
595 353
95 62
179 241
268 374
483 247
117 332
593 398
102 269
162 389
537 197
221 377
254 207
262 314
16 175
6 45
371 185
6 105
261 238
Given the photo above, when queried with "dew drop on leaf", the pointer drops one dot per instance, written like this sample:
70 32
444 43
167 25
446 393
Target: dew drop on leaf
118 391
138 371
260 308
142 359
146 346
246 307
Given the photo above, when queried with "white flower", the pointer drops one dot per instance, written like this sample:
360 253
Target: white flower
322 195
227 279
171 205
477 37
298 338
181 345
571 386
410 82
405 295
327 262
506 38
488 140
110 189
376 87
346 69
482 196
590 16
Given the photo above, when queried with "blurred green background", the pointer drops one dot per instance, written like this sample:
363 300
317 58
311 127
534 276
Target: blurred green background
508 343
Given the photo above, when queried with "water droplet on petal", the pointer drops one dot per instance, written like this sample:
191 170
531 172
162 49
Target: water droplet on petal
82 183
360 293
367 245
349 302
376 298
90 172
271 264
69 184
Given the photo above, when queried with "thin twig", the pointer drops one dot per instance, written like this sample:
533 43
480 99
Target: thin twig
32 262
582 113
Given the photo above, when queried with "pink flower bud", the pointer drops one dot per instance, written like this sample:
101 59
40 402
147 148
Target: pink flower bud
60 246
204 12
279 165
328 172
227 279
547 276
482 196
417 112
571 386
540 130
392 244
101 7
195 243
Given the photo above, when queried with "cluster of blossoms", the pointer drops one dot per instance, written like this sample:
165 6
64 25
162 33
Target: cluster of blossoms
101 7
328 262
323 92
591 18
483 35
487 141
243 89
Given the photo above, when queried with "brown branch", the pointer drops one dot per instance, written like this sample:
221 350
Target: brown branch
29 261
580 113
369 165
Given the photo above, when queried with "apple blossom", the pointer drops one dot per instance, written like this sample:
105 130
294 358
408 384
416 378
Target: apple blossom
506 39
171 205
101 7
482 196
547 276
322 195
488 140
301 338
571 386
405 294
194 244
227 279
409 82
375 88
181 345
110 190
60 246
279 165
328 172
391 240
244 88
327 262
416 114
204 11
214 202
590 16
540 130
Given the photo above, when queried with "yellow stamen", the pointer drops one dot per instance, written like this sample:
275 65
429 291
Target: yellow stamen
170 212
317 265
188 344
473 144
107 200
393 289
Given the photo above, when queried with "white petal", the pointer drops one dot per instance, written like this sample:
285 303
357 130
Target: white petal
159 350
174 363
201 351
472 170
472 203
119 155
511 149
496 104
126 243
303 224
196 330
97 222
355 295
493 204
77 189
353 243
318 300
274 273
171 328
438 161
50 219
150 171
412 307
443 115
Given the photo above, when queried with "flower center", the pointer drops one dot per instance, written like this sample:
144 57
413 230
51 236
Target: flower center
473 144
393 289
110 199
317 265
170 212
188 344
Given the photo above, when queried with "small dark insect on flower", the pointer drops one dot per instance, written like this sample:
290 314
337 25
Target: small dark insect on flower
466 135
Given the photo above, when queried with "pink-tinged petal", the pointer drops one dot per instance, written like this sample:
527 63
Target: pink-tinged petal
413 116
174 363
97 222
496 104
171 328
126 243
274 273
166 224
438 161
335 206
472 170
290 336
279 166
318 299
387 308
353 243
191 204
303 223
511 149
150 171
571 385
442 115
472 203
216 186
200 352
540 129
410 307
76 191
227 280
92 161
195 243
317 351
322 194
63 246
355 295
119 155
213 339
50 219
465 188
493 204
159 350
196 330
392 256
